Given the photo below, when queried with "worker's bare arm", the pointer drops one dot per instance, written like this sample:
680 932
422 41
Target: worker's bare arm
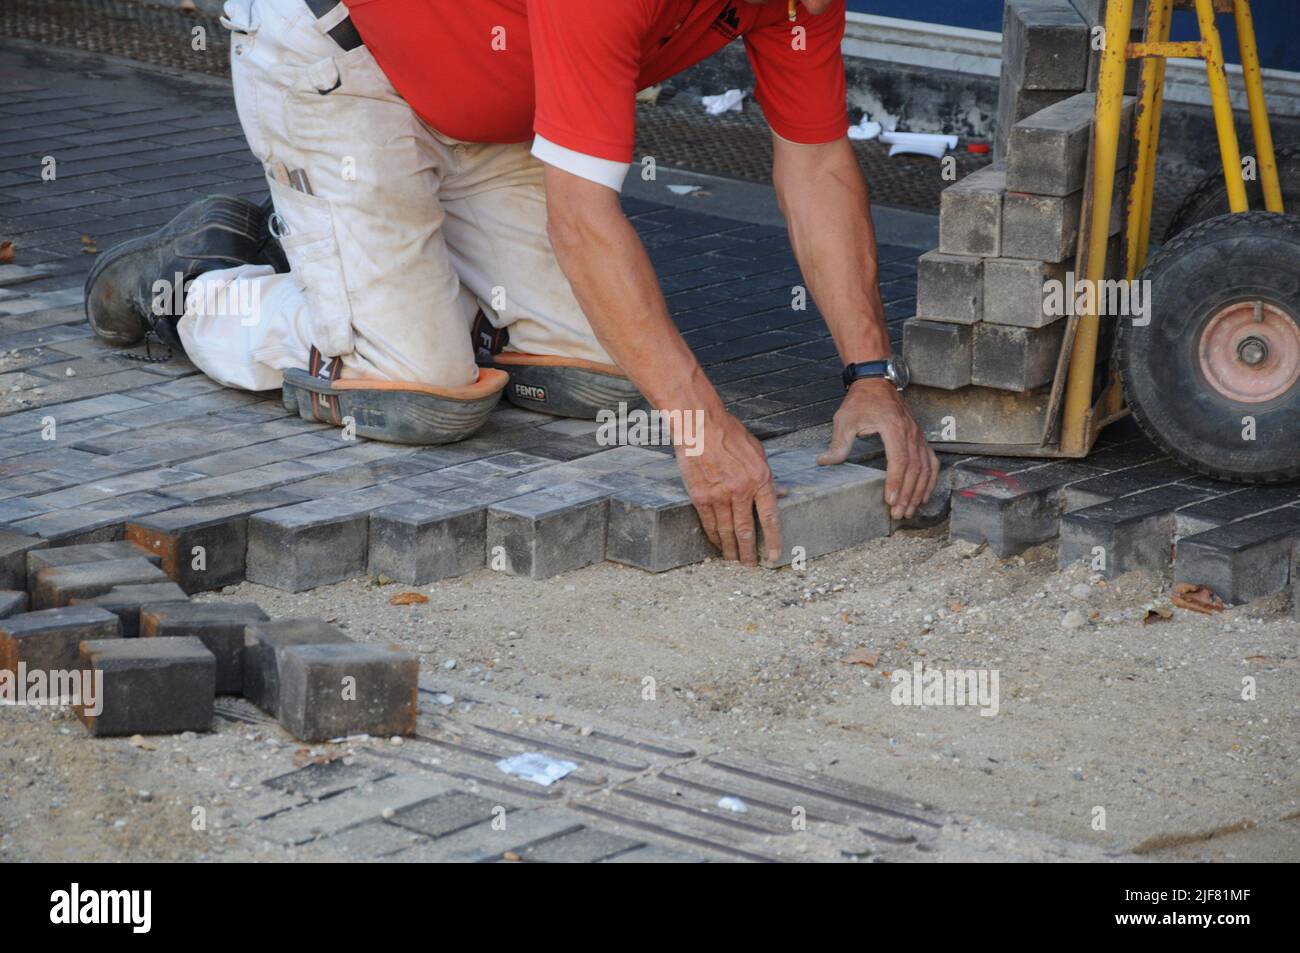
616 286
824 198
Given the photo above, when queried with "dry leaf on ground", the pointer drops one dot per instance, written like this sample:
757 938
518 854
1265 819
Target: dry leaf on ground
1196 598
408 599
6 252
862 657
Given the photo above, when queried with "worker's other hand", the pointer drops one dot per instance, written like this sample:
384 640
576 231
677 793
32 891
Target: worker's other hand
727 481
876 407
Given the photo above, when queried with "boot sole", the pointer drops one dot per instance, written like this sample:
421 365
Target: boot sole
392 411
563 388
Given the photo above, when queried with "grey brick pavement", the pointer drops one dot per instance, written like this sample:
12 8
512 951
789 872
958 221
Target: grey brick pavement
86 453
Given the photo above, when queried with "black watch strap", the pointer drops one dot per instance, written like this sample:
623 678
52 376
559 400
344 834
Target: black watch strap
866 370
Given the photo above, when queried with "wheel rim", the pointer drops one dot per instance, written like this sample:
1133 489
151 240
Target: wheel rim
1250 352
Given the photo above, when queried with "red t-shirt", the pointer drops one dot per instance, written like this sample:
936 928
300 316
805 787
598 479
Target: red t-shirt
569 70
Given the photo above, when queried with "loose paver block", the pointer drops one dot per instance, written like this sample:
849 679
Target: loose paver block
48 640
1241 561
1016 291
654 526
827 509
265 642
421 541
125 602
150 686
202 547
949 288
1132 532
219 625
938 353
59 585
333 690
1046 227
1015 359
1045 45
548 531
12 602
970 213
1048 151
318 542
61 556
13 558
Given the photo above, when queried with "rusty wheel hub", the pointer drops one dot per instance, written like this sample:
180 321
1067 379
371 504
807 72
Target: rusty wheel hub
1250 352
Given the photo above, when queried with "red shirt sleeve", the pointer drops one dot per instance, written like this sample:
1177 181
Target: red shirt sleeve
799 80
586 60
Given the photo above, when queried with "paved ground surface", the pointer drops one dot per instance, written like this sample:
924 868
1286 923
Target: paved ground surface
131 147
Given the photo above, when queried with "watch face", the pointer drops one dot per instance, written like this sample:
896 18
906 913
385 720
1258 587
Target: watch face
899 372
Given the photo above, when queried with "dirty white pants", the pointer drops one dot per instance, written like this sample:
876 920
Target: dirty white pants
406 234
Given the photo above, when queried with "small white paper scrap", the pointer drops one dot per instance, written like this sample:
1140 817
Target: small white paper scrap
537 767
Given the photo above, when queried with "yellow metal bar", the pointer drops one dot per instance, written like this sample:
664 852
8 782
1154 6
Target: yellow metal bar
1223 118
1190 49
1146 142
1263 135
1075 422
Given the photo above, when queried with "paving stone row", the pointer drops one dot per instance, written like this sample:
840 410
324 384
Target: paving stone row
109 610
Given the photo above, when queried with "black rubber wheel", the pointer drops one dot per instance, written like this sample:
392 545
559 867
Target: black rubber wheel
1219 359
1210 197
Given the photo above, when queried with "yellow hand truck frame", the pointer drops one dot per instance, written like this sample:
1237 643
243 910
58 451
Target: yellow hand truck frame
1082 418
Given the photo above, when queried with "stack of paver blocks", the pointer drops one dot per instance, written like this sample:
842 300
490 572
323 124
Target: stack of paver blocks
984 344
109 610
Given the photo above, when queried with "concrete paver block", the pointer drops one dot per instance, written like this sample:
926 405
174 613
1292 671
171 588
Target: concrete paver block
1048 151
12 602
49 639
59 556
203 547
828 509
422 541
14 548
125 602
1241 561
1132 532
549 531
1015 291
151 686
218 625
333 690
264 642
315 543
655 527
938 353
58 585
950 288
970 213
1045 45
1013 358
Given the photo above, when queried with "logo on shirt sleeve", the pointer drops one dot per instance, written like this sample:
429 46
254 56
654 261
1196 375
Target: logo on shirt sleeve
727 21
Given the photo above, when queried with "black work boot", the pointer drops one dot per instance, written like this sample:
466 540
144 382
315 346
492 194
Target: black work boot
124 297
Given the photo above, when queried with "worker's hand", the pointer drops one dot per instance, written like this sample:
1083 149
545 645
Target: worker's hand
727 481
875 406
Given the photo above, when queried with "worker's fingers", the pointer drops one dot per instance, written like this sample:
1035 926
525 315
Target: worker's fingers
843 434
934 477
726 530
897 463
769 518
742 514
912 481
709 522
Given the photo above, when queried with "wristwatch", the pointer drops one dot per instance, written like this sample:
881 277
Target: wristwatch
894 370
